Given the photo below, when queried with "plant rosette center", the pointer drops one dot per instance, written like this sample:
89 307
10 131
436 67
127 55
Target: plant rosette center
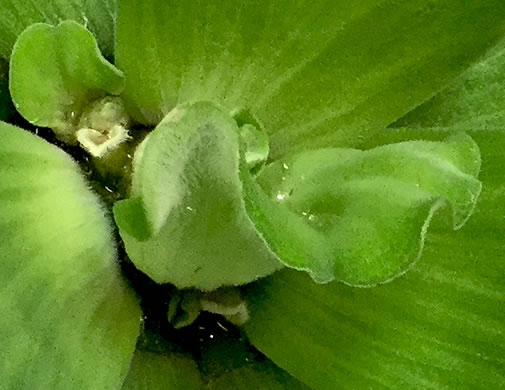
203 207
190 203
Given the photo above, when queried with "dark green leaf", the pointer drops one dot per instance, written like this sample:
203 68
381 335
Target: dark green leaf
229 363
101 21
6 106
154 371
255 376
68 319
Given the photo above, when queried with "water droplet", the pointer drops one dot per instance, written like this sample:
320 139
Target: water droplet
189 208
285 166
280 196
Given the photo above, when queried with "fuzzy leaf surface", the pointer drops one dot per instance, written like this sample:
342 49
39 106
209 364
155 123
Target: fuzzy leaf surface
68 319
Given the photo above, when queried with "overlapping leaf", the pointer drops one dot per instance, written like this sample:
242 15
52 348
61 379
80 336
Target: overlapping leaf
185 221
16 15
438 327
312 73
475 102
254 376
359 217
310 84
55 72
5 99
101 20
227 362
68 319
155 371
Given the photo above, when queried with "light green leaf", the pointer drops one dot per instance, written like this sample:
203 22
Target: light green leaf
439 327
475 102
16 15
68 319
187 190
154 371
361 216
62 67
254 139
313 74
256 145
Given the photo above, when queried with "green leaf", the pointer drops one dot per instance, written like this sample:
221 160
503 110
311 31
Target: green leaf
62 67
255 376
256 146
4 100
154 371
245 378
101 21
16 15
68 319
186 185
229 363
361 216
6 106
313 74
475 102
254 139
439 327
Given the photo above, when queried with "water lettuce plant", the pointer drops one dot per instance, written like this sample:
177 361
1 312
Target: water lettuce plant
256 195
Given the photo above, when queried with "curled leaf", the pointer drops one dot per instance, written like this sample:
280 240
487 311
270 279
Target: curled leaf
55 72
187 194
439 327
361 216
197 217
